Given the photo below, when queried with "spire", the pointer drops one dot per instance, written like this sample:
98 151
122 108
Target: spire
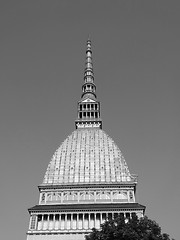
88 106
89 86
88 72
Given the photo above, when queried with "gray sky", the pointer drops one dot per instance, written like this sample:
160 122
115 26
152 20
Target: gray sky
136 52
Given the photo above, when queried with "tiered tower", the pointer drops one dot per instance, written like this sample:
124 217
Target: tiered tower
88 106
87 179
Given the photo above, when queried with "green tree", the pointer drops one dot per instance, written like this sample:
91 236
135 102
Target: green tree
133 229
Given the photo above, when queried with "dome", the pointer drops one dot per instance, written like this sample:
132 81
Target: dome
87 156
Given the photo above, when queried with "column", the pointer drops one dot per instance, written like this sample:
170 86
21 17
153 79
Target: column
95 220
77 223
53 225
48 221
126 220
89 220
65 221
42 222
98 219
39 222
80 221
40 227
101 221
36 221
83 221
62 223
86 220
56 221
47 224
71 221
59 226
104 217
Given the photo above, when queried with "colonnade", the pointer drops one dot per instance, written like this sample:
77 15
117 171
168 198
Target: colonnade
89 107
75 221
88 114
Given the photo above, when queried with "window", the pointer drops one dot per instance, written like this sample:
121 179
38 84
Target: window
43 197
131 196
33 222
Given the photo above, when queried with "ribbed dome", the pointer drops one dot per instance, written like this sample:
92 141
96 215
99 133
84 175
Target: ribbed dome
87 156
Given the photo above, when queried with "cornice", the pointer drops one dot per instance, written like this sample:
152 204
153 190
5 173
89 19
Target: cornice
87 207
88 186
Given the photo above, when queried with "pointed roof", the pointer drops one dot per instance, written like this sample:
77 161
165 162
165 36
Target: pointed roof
88 106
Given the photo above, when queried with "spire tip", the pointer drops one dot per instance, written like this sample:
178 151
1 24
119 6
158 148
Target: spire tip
89 37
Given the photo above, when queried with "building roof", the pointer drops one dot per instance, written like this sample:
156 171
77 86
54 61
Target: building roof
81 207
87 156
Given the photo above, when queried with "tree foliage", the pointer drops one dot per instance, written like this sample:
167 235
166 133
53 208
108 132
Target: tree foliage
133 229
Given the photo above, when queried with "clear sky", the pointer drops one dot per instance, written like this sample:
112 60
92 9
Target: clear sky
136 55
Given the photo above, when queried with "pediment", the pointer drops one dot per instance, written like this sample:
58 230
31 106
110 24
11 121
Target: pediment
88 100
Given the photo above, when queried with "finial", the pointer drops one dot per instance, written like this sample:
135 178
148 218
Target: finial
89 37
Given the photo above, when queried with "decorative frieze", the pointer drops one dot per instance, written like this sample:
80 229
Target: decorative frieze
87 196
